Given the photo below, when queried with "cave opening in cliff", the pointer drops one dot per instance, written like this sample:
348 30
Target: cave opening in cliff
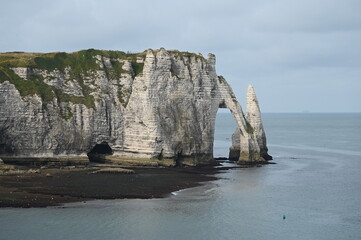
224 127
99 151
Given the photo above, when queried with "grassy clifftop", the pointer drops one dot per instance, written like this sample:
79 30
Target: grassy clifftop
79 65
81 60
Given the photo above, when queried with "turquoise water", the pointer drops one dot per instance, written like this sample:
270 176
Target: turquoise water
315 184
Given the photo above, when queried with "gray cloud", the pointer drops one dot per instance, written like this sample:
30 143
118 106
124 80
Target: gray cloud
299 55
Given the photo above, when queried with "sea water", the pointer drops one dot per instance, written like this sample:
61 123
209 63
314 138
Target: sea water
313 192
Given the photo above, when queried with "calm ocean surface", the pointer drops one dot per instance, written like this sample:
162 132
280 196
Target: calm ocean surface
316 184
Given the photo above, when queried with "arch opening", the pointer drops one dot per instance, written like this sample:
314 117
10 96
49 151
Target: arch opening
99 152
224 128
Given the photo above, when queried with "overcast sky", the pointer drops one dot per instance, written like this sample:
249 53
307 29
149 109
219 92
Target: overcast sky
300 55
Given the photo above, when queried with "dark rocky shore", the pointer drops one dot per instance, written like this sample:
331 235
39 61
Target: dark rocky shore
42 187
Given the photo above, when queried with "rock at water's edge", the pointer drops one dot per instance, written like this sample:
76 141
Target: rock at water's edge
156 104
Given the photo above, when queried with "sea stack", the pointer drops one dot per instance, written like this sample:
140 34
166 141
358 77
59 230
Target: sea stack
154 104
256 150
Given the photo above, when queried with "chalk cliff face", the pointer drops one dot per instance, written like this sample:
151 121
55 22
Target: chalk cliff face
155 104
255 148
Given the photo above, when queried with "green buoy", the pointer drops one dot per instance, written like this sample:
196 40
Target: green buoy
284 217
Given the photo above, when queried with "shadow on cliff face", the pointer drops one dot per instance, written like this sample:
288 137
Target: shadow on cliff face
99 151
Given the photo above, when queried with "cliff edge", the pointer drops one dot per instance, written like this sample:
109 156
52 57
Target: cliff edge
155 104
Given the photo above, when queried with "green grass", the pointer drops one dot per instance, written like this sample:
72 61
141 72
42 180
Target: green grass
87 100
137 67
79 65
28 87
18 59
116 70
185 54
35 85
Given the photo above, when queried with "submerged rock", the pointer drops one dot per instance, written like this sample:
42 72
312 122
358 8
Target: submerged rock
155 104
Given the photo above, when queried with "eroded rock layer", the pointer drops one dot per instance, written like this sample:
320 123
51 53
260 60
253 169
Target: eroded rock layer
155 104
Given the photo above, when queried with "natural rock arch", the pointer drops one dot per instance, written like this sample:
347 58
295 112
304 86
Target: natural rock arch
249 139
155 103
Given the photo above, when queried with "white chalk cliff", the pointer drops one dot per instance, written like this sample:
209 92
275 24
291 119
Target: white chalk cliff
156 104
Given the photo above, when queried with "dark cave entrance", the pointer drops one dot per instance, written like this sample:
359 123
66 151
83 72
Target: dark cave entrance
225 126
99 152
